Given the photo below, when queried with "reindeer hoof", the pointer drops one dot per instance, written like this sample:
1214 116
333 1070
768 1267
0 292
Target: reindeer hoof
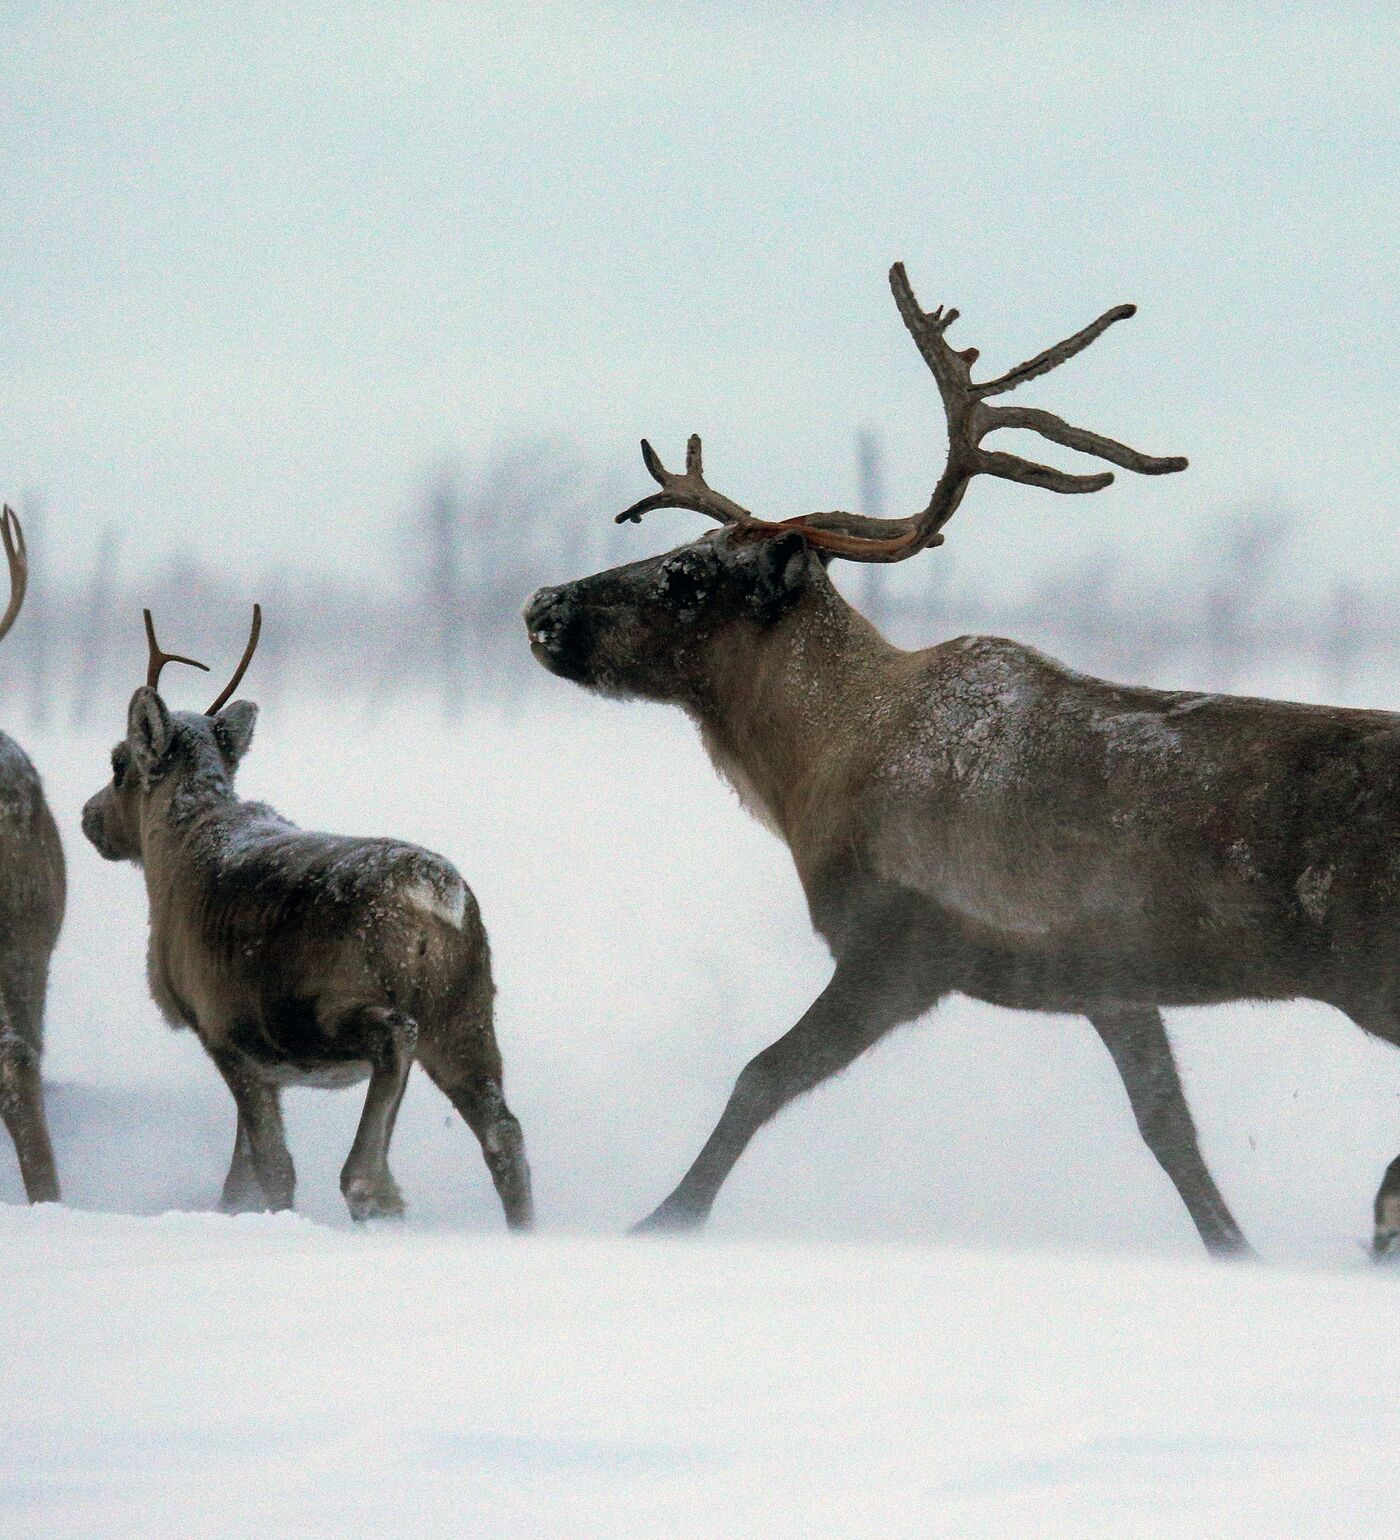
1386 1247
244 1202
369 1201
1231 1247
670 1219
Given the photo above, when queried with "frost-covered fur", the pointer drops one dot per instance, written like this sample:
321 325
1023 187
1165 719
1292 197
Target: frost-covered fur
32 894
976 817
302 958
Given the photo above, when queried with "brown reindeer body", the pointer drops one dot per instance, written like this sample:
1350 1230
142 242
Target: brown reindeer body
1072 834
33 890
303 958
267 939
977 818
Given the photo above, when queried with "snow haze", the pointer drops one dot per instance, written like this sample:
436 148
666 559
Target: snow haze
266 267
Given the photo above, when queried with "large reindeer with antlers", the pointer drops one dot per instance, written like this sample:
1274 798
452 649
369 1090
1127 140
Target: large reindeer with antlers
976 817
299 958
32 895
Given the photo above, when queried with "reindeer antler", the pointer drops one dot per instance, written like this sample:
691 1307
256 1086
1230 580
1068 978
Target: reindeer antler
689 490
857 537
970 420
226 693
18 559
157 659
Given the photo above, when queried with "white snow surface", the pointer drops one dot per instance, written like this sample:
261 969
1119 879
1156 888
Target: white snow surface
949 1293
274 1377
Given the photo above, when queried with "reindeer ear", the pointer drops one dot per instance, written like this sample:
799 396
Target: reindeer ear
149 731
782 574
233 729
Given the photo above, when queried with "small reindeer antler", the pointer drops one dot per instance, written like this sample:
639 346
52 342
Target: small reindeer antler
18 559
158 659
226 693
857 537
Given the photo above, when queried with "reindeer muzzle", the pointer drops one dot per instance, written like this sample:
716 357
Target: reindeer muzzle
94 828
561 632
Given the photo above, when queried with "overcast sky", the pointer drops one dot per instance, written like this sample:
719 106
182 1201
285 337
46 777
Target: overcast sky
265 266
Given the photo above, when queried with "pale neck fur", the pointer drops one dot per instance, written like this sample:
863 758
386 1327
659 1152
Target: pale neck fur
181 834
791 716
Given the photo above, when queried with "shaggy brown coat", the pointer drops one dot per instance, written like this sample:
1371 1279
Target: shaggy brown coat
303 959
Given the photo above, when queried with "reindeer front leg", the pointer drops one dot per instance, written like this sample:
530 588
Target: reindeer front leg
260 1124
877 986
389 1038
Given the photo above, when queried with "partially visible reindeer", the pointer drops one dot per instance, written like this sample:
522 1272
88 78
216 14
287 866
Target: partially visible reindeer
298 958
978 818
32 895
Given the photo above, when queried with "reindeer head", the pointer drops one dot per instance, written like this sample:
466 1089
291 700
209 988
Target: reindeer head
641 629
165 750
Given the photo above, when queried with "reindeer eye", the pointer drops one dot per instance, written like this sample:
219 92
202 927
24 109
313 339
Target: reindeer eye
120 765
680 585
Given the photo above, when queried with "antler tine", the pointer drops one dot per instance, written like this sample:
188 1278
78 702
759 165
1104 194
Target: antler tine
967 424
1052 358
1032 473
950 368
226 694
158 659
18 558
1058 431
688 490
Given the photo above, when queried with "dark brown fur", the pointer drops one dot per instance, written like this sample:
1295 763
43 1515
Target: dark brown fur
32 895
303 958
977 818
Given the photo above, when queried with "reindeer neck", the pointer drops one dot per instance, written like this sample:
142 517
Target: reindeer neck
186 824
789 710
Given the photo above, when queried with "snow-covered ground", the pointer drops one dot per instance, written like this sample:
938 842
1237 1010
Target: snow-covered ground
949 1293
188 1375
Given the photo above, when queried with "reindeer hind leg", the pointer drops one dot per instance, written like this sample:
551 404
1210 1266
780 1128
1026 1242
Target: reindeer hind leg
22 992
470 1078
243 1192
390 1038
22 1107
1136 1037
1383 1021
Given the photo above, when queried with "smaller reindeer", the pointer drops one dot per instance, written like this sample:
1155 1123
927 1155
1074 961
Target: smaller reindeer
32 894
300 958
